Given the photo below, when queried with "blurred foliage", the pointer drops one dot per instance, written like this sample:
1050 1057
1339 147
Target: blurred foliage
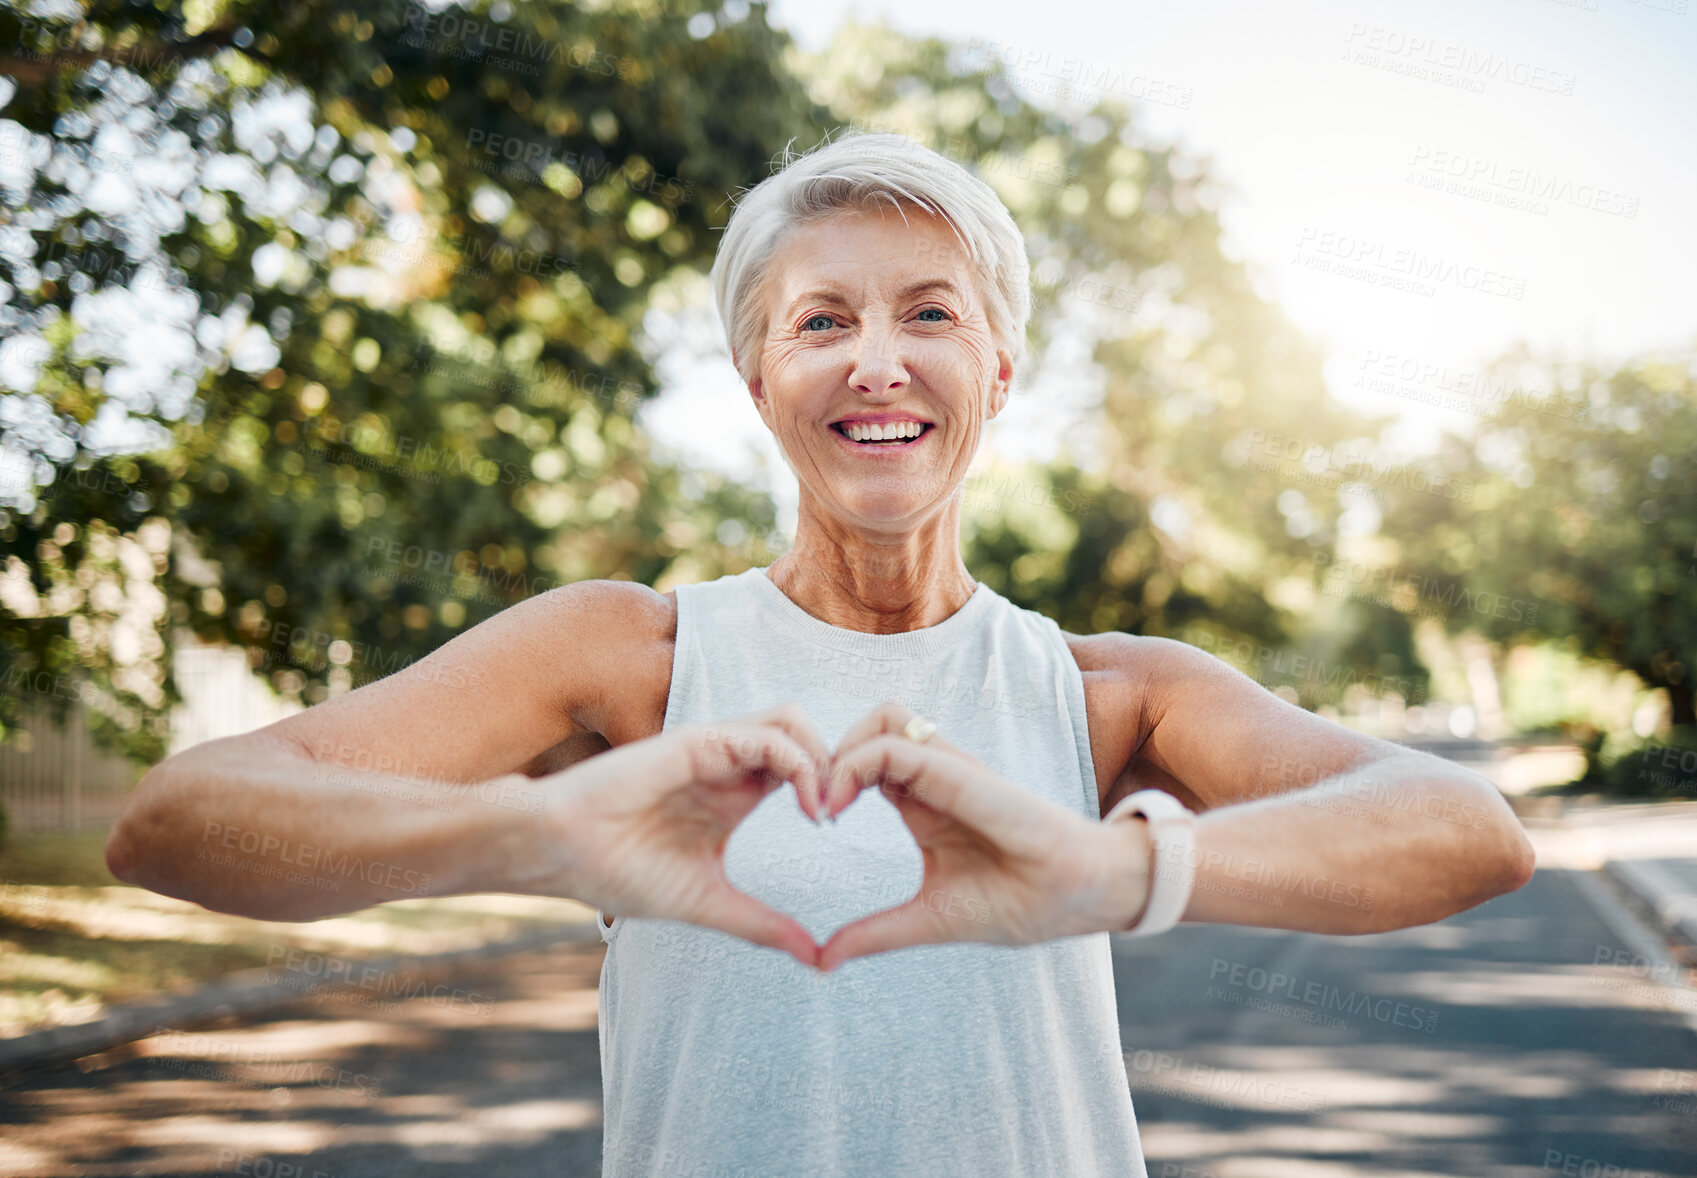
1582 527
1645 769
407 257
375 306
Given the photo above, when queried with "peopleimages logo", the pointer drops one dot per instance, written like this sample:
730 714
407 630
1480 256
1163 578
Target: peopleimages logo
1466 390
1269 666
499 47
1345 462
463 253
358 444
462 564
1266 882
1414 589
1074 75
1231 976
1400 267
325 971
1512 186
315 863
534 156
1448 62
1169 1074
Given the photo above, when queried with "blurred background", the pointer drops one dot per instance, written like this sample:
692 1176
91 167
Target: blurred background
1365 357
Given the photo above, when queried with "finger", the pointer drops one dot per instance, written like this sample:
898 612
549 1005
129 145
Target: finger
894 928
900 767
794 720
766 746
731 754
887 719
741 915
888 716
953 784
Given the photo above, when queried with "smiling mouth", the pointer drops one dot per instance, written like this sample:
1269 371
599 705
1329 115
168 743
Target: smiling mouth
896 443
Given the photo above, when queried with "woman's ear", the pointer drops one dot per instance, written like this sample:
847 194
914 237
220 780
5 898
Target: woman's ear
1001 383
753 386
757 394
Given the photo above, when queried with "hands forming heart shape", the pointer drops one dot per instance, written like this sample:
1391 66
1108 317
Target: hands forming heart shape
644 827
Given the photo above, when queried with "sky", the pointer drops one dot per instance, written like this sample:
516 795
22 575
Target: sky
1541 154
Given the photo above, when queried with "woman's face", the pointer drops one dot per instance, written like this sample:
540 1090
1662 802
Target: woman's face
873 320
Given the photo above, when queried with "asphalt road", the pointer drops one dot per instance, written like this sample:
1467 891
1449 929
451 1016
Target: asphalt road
1523 1039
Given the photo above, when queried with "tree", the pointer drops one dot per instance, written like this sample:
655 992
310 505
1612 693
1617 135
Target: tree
1584 524
324 324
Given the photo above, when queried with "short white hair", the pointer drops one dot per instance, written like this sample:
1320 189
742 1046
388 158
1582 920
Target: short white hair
856 172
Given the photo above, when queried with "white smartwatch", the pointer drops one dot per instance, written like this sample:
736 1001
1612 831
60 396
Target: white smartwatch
1172 827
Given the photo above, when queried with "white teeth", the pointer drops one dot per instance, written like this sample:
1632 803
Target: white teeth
877 433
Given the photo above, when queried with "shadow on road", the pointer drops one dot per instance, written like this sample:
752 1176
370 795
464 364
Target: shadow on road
1517 1040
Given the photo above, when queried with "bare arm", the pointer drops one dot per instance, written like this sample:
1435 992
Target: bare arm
406 787
1305 824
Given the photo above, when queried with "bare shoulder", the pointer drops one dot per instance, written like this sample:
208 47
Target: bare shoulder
1116 652
620 635
1135 666
1149 667
1115 677
631 611
1192 724
1129 683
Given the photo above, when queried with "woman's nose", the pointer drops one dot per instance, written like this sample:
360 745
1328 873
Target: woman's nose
877 363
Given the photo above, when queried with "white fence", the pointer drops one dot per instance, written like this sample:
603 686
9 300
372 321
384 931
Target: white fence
221 696
53 778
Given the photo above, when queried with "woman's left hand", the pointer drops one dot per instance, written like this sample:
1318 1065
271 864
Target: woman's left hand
1002 864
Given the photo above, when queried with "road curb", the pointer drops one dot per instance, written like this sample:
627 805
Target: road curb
1660 897
253 990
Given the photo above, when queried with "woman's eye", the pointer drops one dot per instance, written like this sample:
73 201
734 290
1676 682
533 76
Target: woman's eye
935 311
825 319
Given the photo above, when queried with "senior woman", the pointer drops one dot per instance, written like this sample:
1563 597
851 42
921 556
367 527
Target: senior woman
899 966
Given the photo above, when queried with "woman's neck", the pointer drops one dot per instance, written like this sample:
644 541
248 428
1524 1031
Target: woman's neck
876 586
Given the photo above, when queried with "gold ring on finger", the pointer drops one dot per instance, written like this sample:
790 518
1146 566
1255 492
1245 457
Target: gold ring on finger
918 729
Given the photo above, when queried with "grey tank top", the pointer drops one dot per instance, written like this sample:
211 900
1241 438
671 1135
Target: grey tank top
725 1059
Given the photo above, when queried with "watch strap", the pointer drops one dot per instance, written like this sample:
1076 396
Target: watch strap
1172 875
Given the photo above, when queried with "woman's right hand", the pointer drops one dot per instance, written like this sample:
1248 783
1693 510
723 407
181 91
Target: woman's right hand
643 826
